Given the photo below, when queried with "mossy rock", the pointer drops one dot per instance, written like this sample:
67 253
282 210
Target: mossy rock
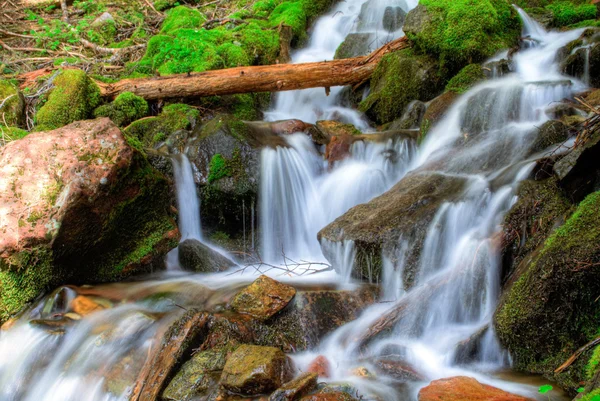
464 31
73 98
355 44
550 133
550 310
263 298
575 64
436 111
466 79
411 119
400 78
182 17
12 112
103 30
125 109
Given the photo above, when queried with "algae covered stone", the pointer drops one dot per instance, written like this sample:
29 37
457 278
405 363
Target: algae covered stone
125 109
253 370
73 98
263 298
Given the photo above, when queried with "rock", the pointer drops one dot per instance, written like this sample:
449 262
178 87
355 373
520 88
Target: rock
66 196
469 349
578 172
543 314
497 69
575 64
404 211
182 336
83 305
195 256
197 376
468 77
398 370
436 111
338 148
355 45
292 390
550 133
320 366
457 34
335 128
363 372
13 109
560 110
398 79
411 118
393 18
463 388
263 298
333 396
73 98
253 370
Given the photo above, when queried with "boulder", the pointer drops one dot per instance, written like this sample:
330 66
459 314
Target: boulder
197 376
393 18
578 172
12 112
252 370
66 196
320 366
547 309
195 256
462 388
355 45
398 79
292 390
375 227
263 298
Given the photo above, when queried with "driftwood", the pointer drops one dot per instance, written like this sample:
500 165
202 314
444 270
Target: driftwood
577 354
271 78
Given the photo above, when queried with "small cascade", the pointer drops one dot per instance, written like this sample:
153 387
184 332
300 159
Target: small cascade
300 194
187 198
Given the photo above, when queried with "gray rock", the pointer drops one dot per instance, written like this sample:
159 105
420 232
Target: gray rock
195 256
355 44
393 18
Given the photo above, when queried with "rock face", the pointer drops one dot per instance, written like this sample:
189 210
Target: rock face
253 370
375 227
195 256
66 197
263 298
463 388
400 78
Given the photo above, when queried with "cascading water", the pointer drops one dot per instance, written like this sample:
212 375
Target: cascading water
187 200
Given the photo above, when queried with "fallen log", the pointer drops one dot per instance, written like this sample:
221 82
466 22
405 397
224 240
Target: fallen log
270 78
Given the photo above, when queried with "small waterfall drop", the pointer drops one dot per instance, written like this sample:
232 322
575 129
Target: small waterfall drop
187 198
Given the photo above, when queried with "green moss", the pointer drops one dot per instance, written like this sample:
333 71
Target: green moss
566 13
592 396
461 32
592 365
246 106
23 277
261 45
291 13
400 78
182 17
11 133
466 78
232 55
218 168
125 109
73 98
12 112
103 33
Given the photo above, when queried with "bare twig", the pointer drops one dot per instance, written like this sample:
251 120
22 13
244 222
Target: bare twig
18 35
577 354
289 266
65 11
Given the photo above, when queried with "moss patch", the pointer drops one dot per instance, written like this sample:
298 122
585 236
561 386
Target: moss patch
12 112
73 98
466 79
125 109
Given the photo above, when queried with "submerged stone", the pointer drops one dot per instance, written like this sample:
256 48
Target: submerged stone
253 370
263 298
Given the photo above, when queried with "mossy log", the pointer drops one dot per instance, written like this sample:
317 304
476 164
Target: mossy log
269 78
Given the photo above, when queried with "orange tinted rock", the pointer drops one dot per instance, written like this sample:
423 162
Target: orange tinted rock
463 388
263 298
320 366
333 396
338 148
83 305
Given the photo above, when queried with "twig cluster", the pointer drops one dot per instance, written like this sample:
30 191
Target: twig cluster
289 266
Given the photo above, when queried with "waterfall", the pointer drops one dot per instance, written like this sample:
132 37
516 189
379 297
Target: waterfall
187 198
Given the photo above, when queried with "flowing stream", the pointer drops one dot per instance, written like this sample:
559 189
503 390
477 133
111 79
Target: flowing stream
489 147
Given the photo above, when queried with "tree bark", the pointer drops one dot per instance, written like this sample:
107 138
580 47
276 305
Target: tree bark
270 78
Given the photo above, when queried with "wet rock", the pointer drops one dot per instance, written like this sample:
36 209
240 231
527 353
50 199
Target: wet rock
436 111
405 211
195 256
398 370
411 118
355 45
469 349
400 78
338 148
296 388
578 172
363 372
496 69
393 18
83 305
263 298
463 388
335 128
253 370
333 396
320 366
67 194
582 60
550 133
197 376
560 110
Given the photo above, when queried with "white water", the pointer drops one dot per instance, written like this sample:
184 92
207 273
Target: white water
299 196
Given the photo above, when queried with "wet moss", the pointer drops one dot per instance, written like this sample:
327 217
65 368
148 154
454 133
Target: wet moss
291 13
466 78
592 365
74 98
125 109
218 168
